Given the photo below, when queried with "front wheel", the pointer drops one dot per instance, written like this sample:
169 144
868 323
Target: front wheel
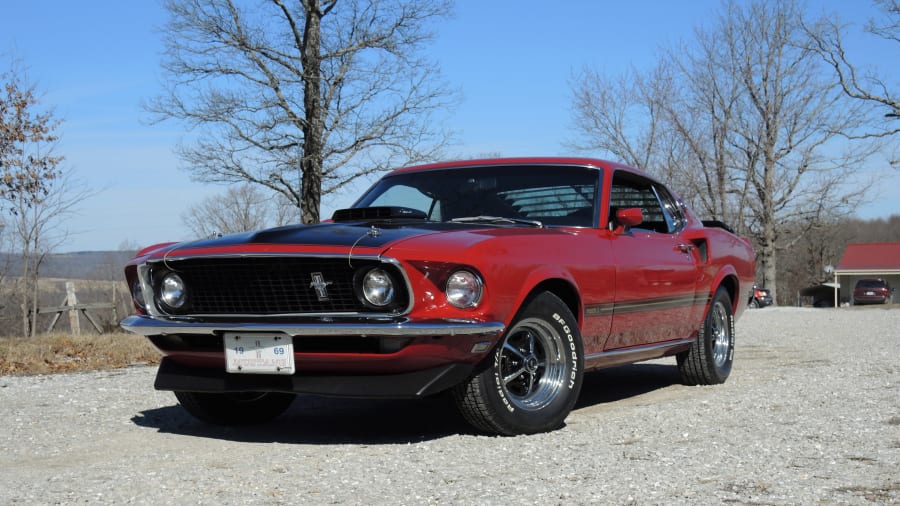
240 408
533 378
708 361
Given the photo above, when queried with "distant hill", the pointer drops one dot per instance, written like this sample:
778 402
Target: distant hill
99 265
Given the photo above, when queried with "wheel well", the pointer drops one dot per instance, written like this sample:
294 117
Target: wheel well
730 285
562 289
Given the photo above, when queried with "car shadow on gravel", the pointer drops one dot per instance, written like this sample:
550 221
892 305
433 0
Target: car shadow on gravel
627 382
322 420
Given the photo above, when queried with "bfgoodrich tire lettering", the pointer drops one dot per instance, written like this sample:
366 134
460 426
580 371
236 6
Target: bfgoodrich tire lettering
241 408
533 378
708 361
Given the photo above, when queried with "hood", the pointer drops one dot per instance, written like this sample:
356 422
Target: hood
334 237
378 236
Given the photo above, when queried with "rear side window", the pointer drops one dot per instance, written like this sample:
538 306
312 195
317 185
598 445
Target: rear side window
673 212
661 213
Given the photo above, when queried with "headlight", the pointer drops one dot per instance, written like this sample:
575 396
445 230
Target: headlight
378 288
464 289
172 291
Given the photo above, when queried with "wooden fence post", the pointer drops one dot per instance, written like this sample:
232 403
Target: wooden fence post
72 300
71 305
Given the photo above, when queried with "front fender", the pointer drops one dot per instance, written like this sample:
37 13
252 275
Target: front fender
554 279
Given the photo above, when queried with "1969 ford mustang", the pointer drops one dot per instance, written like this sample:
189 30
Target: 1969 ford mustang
501 281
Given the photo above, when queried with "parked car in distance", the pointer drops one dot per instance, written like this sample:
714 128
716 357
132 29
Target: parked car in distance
499 281
872 291
761 297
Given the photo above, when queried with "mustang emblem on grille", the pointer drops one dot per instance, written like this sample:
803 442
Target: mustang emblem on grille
321 286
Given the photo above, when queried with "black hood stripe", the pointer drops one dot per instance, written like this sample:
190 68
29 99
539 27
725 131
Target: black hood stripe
366 235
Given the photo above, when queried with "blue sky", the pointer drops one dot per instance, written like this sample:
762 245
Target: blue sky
97 61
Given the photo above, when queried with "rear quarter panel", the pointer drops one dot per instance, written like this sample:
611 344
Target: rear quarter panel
731 257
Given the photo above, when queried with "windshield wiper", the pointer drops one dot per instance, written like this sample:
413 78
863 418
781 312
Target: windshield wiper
497 219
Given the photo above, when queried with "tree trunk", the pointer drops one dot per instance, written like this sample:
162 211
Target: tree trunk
26 292
311 161
34 302
768 258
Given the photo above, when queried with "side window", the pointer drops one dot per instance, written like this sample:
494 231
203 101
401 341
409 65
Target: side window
629 190
674 216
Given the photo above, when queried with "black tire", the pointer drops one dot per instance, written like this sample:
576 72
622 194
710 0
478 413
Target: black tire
709 360
754 304
240 408
531 381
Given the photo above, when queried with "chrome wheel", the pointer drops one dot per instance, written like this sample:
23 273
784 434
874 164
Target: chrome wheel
531 379
718 328
531 364
710 357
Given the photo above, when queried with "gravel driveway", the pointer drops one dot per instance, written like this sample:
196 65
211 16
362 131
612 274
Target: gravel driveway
810 414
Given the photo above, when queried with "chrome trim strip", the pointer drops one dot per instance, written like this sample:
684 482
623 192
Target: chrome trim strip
150 326
639 349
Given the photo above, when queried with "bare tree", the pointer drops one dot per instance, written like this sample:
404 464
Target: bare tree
302 96
28 169
38 231
670 122
240 209
790 121
748 125
4 259
35 192
826 39
604 113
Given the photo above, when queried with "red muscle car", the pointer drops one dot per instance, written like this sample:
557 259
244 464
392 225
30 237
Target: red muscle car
501 281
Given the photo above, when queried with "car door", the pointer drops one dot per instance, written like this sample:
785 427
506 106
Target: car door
656 271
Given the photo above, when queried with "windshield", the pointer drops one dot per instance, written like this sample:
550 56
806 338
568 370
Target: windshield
552 195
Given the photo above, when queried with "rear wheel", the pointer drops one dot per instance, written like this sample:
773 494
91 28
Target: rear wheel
533 378
708 361
239 408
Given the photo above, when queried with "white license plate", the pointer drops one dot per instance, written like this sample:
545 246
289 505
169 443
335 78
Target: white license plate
870 293
253 353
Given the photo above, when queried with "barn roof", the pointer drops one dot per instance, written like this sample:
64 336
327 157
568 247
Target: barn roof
874 257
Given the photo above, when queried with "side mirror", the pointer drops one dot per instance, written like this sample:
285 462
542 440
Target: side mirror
627 218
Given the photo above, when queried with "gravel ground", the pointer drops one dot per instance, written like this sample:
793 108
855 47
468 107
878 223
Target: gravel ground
810 414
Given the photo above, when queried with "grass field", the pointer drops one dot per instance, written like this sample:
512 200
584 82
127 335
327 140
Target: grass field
59 352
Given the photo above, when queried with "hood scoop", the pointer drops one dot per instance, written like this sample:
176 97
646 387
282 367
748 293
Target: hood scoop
377 214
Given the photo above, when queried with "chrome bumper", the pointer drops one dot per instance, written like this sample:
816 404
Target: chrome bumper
154 326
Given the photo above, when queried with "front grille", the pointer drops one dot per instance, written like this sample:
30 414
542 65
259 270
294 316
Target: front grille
273 285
